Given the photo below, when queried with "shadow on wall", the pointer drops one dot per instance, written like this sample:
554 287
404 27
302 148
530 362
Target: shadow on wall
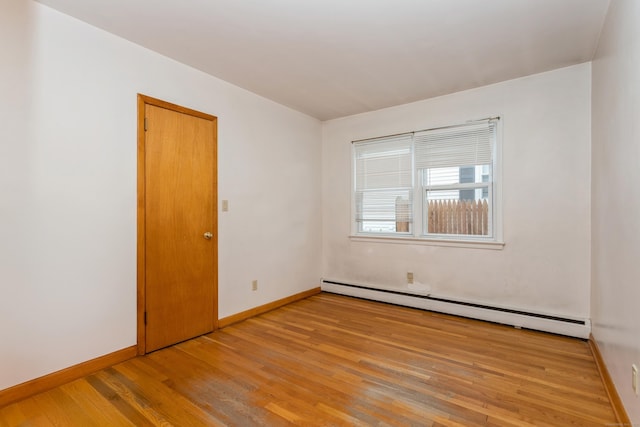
18 24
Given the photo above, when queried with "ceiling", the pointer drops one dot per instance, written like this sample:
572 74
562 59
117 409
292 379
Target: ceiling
333 58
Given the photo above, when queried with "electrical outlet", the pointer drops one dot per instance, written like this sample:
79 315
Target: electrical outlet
634 378
254 285
410 278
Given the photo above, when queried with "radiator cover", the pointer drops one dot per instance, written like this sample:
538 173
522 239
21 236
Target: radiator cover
573 327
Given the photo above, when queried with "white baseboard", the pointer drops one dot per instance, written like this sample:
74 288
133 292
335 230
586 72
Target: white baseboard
579 328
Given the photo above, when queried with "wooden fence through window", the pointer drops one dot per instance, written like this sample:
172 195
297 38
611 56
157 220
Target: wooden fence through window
458 217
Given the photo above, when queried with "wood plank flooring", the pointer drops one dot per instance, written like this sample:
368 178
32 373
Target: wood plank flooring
334 360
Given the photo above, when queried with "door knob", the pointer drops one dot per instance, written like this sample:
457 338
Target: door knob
208 235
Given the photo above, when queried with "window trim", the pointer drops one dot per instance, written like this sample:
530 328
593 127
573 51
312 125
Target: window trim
417 235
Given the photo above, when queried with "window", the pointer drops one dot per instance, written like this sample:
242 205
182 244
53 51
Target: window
433 184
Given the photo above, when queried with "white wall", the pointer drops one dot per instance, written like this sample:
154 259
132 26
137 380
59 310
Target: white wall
615 270
68 196
544 266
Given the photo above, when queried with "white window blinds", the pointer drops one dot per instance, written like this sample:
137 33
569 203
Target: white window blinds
384 163
383 183
466 145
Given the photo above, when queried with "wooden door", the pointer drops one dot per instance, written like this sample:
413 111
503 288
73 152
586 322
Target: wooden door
179 225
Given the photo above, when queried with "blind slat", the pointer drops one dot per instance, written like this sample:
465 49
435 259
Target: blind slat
384 163
460 146
384 206
384 181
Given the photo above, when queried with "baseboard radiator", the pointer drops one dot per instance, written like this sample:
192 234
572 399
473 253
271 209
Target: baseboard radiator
573 327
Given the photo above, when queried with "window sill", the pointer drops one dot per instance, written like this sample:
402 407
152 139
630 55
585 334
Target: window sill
410 240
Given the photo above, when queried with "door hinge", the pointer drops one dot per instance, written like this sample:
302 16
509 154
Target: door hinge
145 123
145 317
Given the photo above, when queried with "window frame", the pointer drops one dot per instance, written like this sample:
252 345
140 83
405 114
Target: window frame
419 225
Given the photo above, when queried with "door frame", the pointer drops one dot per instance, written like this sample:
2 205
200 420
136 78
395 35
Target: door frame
143 101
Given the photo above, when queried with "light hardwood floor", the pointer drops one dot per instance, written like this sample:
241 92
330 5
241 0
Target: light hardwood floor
334 360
